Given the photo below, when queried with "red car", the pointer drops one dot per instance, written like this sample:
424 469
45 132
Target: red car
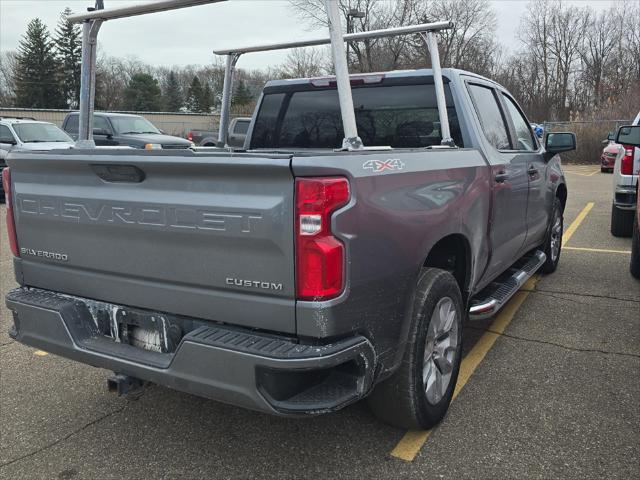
608 157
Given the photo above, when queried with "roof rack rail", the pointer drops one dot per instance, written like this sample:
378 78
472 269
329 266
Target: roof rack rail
12 117
98 14
351 140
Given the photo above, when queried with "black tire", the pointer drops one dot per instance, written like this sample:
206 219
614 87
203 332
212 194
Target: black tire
621 222
554 234
603 170
634 267
401 400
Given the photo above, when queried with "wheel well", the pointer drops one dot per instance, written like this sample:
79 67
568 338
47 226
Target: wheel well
561 193
452 253
209 144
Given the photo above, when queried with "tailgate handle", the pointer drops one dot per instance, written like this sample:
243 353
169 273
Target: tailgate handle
119 173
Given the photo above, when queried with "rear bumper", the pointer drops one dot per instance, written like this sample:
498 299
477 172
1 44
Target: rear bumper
237 366
625 197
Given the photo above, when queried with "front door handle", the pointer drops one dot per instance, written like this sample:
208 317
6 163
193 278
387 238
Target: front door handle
501 177
532 170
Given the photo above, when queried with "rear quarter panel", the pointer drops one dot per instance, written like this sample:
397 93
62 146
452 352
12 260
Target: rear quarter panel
389 226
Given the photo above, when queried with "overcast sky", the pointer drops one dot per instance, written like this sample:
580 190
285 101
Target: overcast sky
188 36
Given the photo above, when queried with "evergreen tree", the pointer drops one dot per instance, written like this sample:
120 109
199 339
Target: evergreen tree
36 76
207 99
242 95
142 94
69 54
194 100
173 95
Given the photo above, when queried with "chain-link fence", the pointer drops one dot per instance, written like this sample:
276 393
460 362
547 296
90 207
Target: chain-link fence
591 136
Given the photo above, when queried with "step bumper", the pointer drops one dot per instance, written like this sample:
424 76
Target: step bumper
241 367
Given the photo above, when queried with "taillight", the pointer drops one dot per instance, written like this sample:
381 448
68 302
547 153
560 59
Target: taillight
11 225
319 255
190 136
626 164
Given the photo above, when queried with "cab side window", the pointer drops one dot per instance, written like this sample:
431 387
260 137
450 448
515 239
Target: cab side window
241 127
524 136
72 124
490 115
5 135
102 123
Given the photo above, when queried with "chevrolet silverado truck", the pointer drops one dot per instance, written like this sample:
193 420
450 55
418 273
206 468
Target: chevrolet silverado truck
289 276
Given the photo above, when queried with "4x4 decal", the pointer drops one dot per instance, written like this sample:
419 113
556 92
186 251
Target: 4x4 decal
378 166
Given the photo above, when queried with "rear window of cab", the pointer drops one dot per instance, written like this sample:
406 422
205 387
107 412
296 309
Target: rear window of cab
400 116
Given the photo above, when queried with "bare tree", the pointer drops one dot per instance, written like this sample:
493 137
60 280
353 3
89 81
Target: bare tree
471 43
7 78
600 38
303 63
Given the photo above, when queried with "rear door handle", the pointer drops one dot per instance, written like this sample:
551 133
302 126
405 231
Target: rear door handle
501 177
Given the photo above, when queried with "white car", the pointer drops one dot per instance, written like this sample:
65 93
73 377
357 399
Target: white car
625 181
29 134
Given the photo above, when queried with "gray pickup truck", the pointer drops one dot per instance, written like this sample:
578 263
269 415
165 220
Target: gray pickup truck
238 128
290 277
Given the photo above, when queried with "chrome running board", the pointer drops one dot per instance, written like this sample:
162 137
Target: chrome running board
495 295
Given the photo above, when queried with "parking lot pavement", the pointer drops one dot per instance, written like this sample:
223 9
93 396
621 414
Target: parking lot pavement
552 393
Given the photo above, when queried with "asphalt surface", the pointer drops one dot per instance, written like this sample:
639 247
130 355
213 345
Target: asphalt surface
558 396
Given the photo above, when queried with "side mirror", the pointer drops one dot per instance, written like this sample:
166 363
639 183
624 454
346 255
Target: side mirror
102 131
559 142
629 135
611 136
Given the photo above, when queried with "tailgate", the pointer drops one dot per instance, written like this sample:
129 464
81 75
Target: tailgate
205 235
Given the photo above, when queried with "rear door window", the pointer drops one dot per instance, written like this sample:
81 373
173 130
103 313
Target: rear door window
490 115
400 116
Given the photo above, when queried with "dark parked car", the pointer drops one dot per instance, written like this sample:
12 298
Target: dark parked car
113 129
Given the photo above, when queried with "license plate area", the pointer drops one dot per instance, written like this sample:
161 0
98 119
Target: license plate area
151 331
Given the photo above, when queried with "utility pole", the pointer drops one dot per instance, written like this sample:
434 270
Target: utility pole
351 14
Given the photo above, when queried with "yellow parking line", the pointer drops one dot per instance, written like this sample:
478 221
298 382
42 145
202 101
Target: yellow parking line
576 223
598 250
593 173
412 441
40 353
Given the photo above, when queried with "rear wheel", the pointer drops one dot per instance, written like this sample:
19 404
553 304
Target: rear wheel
621 222
635 250
553 244
418 394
